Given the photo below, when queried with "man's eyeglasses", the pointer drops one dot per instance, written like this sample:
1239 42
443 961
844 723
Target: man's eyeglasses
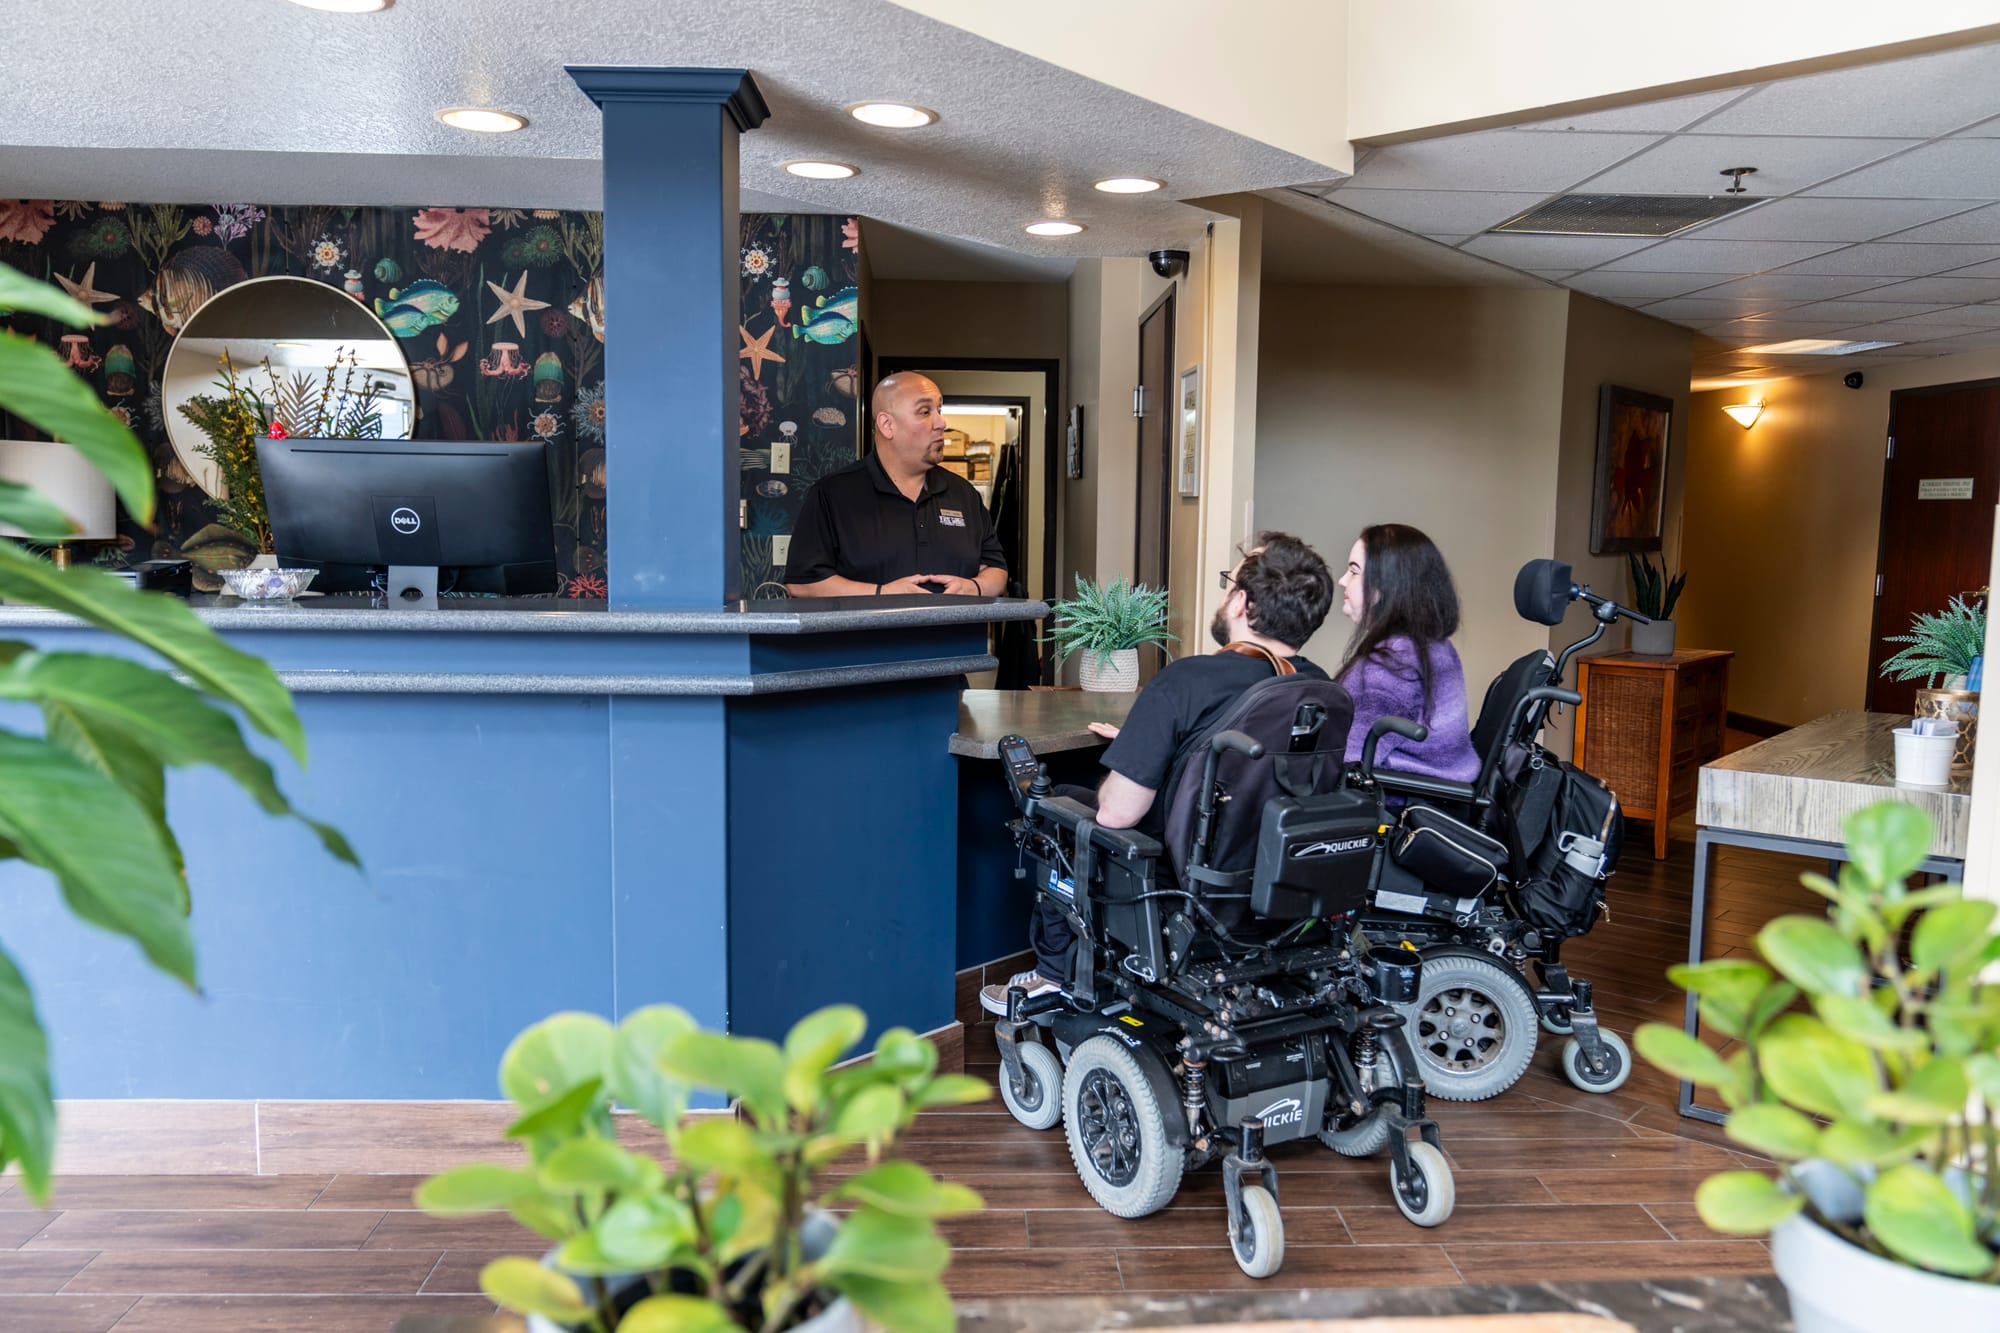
1228 579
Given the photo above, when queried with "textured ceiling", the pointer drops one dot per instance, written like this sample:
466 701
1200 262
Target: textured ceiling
1882 220
198 102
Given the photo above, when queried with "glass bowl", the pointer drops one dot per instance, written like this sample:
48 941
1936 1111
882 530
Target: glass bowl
266 585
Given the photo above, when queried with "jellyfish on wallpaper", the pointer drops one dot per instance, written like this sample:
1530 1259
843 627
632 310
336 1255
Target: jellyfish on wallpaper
548 378
121 372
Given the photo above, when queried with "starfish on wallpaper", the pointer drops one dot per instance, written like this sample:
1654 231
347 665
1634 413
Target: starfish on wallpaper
86 290
516 303
757 351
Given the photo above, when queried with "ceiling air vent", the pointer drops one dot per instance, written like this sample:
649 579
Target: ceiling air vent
1624 214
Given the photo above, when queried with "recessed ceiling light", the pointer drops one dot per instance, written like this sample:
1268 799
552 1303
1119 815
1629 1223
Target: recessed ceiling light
893 115
1816 347
346 6
483 119
1054 228
1129 185
822 171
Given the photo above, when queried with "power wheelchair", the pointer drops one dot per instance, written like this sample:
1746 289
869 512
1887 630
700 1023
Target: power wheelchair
1474 1023
1220 1002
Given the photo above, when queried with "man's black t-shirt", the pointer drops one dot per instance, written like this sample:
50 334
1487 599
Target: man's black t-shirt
1175 707
856 524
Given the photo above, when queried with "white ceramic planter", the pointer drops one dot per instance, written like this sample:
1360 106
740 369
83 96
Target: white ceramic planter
1654 640
1116 674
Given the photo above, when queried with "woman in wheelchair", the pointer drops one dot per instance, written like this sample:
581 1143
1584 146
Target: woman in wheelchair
1400 662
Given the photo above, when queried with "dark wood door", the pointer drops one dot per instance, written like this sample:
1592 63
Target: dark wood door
1940 483
1154 491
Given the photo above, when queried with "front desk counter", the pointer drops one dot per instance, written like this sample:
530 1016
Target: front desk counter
992 904
747 811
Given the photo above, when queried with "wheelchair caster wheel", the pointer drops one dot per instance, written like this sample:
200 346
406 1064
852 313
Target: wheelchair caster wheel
1259 1242
1617 1063
1037 1102
1427 1193
1556 1022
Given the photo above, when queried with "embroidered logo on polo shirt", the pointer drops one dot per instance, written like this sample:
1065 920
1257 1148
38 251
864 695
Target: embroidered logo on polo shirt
951 518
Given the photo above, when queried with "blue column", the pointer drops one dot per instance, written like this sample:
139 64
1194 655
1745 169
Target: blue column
670 257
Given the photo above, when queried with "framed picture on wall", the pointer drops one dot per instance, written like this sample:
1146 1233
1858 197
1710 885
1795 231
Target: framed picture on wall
1628 499
1074 441
1188 449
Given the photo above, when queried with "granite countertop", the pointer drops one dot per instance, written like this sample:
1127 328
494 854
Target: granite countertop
1050 720
548 615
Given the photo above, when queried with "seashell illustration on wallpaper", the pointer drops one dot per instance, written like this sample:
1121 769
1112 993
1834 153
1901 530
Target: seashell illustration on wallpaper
186 282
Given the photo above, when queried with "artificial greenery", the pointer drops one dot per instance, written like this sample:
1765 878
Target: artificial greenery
717 1234
1653 593
1101 619
307 406
86 800
1892 1072
1940 643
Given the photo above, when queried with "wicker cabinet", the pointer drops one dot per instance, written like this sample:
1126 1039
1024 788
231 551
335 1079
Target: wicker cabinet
1648 724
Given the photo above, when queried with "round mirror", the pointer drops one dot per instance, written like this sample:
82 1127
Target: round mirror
279 328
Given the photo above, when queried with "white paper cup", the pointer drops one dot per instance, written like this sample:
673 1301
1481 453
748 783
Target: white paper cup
1923 761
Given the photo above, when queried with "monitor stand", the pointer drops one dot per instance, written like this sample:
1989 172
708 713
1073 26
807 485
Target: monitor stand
413 588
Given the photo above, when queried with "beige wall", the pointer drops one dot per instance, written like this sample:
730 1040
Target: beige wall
1439 407
1782 527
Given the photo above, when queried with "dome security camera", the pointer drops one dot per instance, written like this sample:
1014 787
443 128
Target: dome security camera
1852 379
1169 263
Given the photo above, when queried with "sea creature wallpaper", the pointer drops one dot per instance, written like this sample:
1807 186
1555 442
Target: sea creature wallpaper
500 312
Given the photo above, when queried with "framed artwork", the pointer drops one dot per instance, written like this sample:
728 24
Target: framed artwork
1628 499
1188 442
1074 441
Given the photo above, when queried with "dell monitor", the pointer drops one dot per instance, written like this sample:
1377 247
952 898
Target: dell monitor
477 511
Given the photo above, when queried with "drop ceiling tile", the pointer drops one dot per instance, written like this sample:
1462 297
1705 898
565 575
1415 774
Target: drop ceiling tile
1663 117
1708 308
1640 286
1976 225
1447 240
1920 97
1549 274
1757 332
1988 269
1495 160
1739 257
1985 129
1907 333
1802 286
1826 219
1903 261
1862 312
1948 169
1945 290
1984 341
1985 316
1576 252
1432 211
1691 163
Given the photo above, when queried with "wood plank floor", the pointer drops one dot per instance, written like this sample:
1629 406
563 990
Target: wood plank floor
1552 1183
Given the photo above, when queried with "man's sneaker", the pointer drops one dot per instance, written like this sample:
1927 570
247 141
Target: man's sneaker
993 999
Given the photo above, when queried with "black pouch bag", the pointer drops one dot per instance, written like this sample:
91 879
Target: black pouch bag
1448 855
1550 804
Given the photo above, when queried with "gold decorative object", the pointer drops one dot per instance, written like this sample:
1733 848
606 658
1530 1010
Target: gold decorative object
1961 706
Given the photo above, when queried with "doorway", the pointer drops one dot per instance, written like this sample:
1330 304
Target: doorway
1940 483
1153 406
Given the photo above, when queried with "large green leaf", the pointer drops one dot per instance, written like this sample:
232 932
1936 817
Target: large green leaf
1951 932
23 295
1916 1215
150 709
874 1243
678 1314
636 1077
100 844
1813 955
641 1233
475 1188
165 625
906 1188
553 1056
1852 1016
748 1068
39 389
126 762
1774 1130
1933 1095
1887 841
813 1044
899 1307
27 1115
1674 1051
524 1286
1744 1201
593 1165
33 513
1816 1069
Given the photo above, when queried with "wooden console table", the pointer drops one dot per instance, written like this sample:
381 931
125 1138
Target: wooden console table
1646 726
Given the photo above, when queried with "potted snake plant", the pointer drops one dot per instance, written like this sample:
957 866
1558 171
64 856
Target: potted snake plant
1108 623
1868 1068
1654 596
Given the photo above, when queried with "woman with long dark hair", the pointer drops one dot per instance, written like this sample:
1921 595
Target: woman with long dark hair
1400 662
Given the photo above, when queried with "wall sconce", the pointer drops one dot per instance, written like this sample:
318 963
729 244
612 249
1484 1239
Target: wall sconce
1746 414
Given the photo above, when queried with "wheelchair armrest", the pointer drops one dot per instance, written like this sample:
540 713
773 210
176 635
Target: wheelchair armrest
1073 815
1417 784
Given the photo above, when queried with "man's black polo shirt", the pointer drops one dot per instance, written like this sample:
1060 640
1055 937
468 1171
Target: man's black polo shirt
856 524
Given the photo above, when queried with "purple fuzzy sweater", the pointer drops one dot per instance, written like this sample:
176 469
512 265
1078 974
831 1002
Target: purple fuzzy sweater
1386 684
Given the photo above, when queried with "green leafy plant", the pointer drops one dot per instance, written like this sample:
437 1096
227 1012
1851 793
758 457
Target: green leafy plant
1653 593
86 800
718 1234
1103 618
1940 643
1891 1073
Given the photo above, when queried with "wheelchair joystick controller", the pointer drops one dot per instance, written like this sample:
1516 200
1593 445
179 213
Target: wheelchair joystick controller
1040 787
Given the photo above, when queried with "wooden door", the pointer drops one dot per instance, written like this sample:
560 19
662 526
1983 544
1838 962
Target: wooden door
1941 481
1154 491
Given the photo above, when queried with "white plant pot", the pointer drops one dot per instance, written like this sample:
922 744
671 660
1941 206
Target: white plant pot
1840 1288
1654 640
1117 673
265 560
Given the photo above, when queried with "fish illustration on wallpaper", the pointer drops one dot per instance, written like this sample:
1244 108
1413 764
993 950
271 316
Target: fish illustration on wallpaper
186 282
829 319
421 305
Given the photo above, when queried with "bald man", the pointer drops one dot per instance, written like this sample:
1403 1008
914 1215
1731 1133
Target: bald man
896 522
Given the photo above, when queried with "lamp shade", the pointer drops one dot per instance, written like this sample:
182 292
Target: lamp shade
62 474
1746 414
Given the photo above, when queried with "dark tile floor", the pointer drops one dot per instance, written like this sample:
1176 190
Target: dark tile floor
1552 1182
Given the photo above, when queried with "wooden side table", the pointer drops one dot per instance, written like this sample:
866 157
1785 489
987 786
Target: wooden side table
1646 726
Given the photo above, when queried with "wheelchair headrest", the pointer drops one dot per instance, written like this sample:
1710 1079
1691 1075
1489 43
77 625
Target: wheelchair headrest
1542 591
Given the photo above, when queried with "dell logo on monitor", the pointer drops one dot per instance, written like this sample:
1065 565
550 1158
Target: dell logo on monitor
404 520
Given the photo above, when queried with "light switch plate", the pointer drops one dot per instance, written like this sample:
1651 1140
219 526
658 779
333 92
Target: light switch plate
780 548
781 457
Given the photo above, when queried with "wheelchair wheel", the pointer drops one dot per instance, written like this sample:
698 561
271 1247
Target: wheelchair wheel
1427 1194
1617 1068
1556 1022
1260 1234
1473 1028
1117 1133
1366 1134
1037 1102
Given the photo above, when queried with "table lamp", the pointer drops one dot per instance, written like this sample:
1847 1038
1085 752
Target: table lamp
70 482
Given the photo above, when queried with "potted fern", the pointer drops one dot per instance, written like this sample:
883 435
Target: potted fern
1654 596
1107 623
1942 650
1877 1096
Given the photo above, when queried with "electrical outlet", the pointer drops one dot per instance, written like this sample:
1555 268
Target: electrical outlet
780 548
781 457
